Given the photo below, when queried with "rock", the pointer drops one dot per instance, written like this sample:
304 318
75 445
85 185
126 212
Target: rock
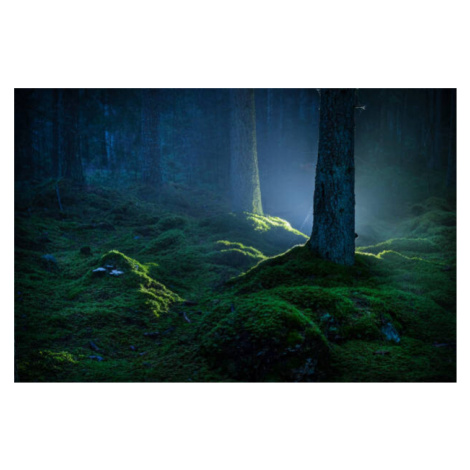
85 250
381 352
152 334
97 358
116 272
93 346
50 262
109 266
390 333
132 348
99 272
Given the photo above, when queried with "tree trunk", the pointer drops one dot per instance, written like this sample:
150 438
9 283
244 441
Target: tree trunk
72 162
245 187
333 236
55 133
451 178
150 139
24 168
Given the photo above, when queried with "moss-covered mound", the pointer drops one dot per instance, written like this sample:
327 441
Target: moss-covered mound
205 295
73 324
263 338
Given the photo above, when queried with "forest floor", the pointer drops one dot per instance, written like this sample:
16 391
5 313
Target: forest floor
191 292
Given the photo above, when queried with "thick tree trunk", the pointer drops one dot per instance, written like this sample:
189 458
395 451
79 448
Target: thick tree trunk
333 236
245 187
150 139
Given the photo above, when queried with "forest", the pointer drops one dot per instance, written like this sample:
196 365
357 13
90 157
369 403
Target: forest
235 235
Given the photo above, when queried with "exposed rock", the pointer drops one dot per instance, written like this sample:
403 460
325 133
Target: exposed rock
50 262
152 334
93 346
116 272
99 272
391 334
97 358
382 352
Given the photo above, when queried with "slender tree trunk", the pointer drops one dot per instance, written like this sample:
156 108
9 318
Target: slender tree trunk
333 236
72 162
451 178
245 187
150 139
24 168
436 147
55 134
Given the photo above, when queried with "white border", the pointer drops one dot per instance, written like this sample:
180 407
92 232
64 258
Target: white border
237 44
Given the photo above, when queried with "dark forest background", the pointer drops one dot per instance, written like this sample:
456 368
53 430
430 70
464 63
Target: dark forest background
405 143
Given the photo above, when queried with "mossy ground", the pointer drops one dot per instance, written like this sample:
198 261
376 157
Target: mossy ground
206 295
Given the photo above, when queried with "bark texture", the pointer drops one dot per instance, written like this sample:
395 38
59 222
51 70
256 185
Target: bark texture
244 175
333 236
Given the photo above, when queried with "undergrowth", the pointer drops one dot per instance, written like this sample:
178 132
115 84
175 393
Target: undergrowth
207 295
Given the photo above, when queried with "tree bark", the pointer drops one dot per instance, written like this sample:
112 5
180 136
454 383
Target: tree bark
244 175
333 236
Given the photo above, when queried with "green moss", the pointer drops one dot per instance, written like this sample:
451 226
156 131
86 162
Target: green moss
172 222
252 339
290 317
407 245
170 239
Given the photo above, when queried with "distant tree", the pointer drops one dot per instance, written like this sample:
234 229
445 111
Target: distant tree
71 158
24 165
150 139
451 153
333 236
244 174
55 150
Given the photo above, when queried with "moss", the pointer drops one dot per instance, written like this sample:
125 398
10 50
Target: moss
167 240
252 339
235 254
289 316
172 222
407 245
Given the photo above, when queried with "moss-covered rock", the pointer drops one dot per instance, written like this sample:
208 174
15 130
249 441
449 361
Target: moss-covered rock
259 338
